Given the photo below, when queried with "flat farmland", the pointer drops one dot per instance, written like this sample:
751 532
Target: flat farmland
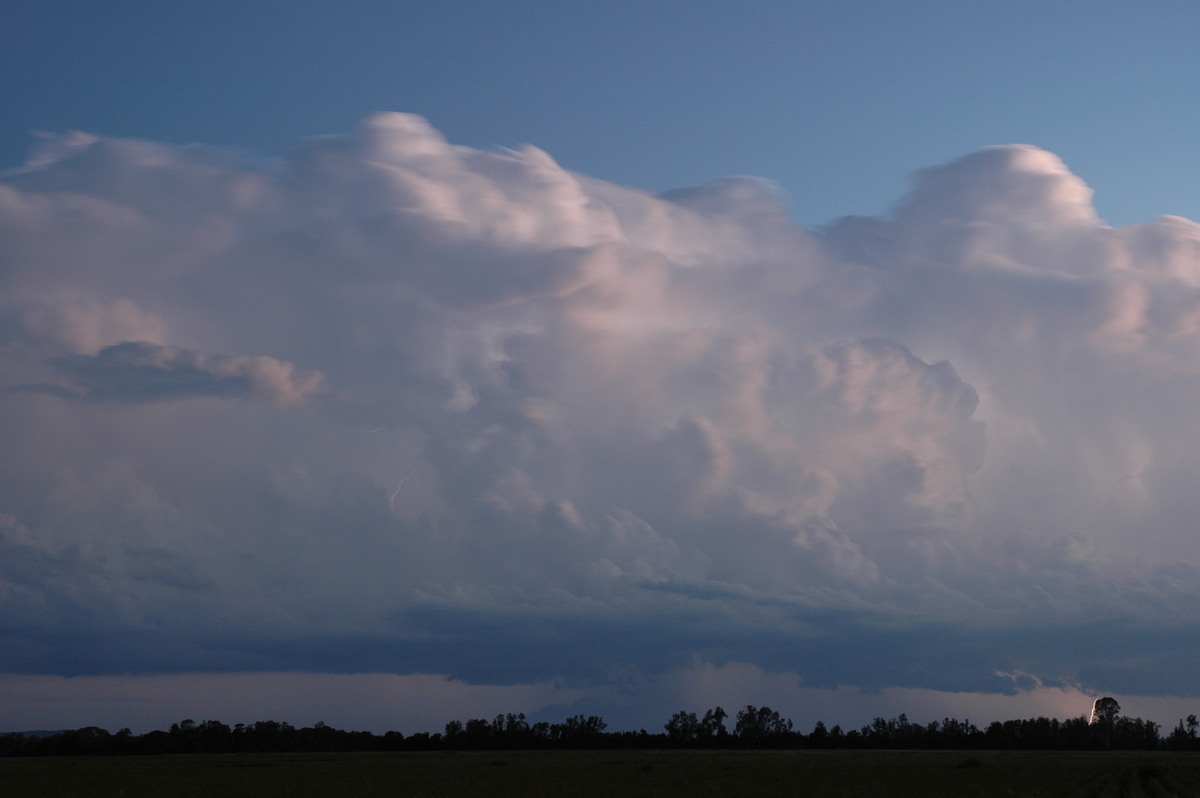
609 773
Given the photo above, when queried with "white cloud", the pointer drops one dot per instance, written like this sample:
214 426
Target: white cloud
506 407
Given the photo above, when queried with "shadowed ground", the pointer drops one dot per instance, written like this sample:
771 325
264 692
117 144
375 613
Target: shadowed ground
604 773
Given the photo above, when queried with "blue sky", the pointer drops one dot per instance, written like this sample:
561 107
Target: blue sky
838 102
387 363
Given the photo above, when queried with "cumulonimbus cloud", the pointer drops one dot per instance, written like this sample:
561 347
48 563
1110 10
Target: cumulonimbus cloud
507 405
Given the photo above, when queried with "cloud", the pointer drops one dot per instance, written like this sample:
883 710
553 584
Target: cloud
521 426
409 704
81 327
138 371
1016 188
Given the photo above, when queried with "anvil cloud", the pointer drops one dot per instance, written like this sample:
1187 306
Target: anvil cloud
394 406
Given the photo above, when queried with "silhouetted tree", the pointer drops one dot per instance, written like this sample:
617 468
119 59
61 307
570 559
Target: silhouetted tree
713 724
512 731
477 734
1106 710
683 727
760 724
1183 736
578 731
756 727
1104 715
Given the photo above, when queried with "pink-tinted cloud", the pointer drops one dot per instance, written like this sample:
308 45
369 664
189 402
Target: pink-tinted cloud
514 424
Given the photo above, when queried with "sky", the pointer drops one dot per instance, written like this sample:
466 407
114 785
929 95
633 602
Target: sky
385 364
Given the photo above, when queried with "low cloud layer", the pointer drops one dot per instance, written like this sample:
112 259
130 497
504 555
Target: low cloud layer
395 405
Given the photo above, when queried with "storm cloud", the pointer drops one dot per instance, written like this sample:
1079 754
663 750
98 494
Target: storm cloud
393 405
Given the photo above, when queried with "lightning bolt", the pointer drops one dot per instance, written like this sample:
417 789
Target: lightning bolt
392 498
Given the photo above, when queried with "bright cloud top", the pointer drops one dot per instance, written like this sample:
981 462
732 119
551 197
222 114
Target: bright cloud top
395 405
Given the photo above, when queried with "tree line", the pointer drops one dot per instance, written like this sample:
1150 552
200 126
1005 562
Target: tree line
750 727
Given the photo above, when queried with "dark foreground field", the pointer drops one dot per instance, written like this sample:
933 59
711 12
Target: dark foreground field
605 773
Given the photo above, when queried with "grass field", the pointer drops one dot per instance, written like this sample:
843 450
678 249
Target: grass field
609 773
